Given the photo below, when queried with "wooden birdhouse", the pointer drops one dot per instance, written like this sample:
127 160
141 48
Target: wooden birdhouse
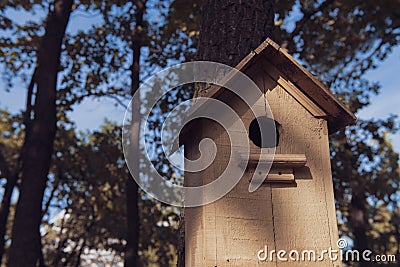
294 207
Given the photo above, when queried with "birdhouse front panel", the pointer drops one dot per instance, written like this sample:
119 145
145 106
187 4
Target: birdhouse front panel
294 207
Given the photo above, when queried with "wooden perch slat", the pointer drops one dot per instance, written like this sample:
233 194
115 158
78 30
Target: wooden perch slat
289 160
280 175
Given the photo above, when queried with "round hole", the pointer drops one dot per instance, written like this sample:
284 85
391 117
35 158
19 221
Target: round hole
263 132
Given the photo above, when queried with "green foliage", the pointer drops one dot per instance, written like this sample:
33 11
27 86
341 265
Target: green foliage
341 40
87 192
367 184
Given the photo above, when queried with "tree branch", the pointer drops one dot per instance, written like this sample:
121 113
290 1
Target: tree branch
48 202
29 107
119 101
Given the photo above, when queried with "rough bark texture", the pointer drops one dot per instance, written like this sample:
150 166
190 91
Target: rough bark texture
230 29
25 247
131 251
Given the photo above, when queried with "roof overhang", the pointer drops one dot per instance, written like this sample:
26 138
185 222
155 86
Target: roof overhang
269 53
338 115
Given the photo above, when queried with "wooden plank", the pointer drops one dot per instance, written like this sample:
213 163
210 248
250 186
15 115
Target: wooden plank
297 94
301 98
282 214
280 178
340 115
329 192
289 160
280 175
300 213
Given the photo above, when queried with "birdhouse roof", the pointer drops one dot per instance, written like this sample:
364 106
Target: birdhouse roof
337 114
269 53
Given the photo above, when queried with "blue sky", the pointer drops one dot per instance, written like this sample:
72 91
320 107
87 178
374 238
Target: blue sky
91 113
388 101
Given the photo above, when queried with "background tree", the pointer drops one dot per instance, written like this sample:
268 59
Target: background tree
84 203
92 65
39 136
11 135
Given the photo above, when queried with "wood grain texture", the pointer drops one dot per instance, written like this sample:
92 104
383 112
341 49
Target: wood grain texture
301 213
294 210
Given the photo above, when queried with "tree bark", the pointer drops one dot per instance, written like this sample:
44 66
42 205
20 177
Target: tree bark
12 176
25 247
6 201
181 241
229 30
131 250
359 222
5 210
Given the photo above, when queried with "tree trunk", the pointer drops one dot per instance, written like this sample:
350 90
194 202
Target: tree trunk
131 250
12 176
25 247
6 201
181 241
229 30
359 222
4 211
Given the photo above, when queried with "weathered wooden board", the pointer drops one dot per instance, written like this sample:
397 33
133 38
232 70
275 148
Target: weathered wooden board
294 209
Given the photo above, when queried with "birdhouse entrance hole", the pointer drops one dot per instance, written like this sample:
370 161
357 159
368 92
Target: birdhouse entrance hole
263 132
